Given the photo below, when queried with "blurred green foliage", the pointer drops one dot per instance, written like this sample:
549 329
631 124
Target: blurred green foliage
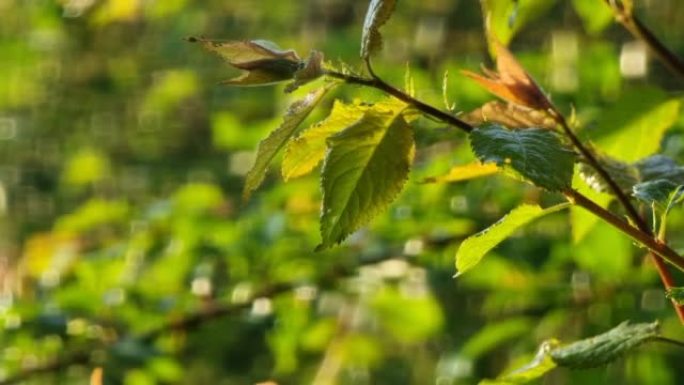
122 163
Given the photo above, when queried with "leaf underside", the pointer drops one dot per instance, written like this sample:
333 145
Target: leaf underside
365 168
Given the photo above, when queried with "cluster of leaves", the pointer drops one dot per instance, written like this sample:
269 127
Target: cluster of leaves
149 243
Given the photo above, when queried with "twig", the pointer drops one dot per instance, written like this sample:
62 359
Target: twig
380 84
635 27
652 244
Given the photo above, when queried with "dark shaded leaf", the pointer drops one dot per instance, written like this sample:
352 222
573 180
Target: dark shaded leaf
624 174
379 11
604 348
536 154
269 147
365 168
657 191
660 167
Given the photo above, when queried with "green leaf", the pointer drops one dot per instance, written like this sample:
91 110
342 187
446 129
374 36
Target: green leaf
505 18
464 172
379 11
263 61
365 168
536 154
595 15
540 365
676 294
269 147
303 153
634 127
474 248
604 348
660 167
657 191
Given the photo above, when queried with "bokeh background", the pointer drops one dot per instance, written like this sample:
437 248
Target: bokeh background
121 167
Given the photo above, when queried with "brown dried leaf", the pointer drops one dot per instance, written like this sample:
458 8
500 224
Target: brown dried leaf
511 82
509 115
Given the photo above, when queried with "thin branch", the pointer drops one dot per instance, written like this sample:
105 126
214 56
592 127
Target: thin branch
668 282
594 163
425 108
639 236
635 27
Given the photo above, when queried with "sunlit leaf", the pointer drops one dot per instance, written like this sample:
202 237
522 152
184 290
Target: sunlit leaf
540 365
604 348
474 248
536 154
269 147
379 11
364 170
509 115
465 172
634 127
304 153
263 62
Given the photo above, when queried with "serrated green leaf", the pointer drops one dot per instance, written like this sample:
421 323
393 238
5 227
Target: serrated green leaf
540 365
657 191
604 348
365 168
304 153
536 154
269 147
464 172
263 61
660 167
474 248
379 11
676 294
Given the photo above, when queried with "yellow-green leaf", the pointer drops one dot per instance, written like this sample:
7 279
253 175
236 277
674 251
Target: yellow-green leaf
465 172
474 248
305 152
364 170
269 147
